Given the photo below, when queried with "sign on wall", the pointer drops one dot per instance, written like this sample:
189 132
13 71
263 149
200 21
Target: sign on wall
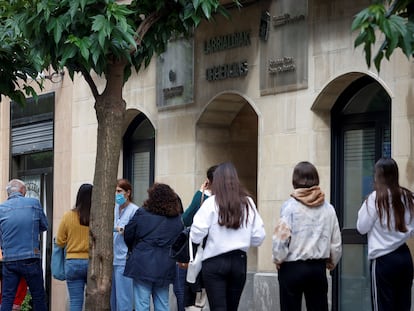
175 74
237 68
284 47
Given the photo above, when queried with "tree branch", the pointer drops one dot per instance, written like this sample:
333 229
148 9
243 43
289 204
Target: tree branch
90 82
145 25
391 9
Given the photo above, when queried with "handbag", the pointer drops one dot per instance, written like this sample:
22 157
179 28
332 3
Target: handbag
194 265
179 249
57 265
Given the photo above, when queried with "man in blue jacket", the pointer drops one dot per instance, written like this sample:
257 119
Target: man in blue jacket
22 220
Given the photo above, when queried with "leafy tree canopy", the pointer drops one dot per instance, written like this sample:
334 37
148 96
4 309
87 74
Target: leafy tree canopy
395 20
85 35
18 63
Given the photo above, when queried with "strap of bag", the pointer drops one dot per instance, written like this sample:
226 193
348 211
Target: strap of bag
190 249
190 246
202 198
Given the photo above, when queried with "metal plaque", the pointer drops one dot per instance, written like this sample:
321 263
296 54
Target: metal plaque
284 53
175 74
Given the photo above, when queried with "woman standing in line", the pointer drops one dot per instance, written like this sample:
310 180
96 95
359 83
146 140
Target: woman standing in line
232 224
306 242
122 298
387 216
185 292
73 233
149 236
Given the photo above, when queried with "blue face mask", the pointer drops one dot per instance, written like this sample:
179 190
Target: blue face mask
120 198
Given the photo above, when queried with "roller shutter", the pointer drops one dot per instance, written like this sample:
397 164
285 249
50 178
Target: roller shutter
32 137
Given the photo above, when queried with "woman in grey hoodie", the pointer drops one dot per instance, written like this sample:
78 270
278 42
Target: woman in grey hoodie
306 242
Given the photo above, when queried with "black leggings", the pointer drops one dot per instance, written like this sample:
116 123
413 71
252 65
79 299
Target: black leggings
303 277
224 277
391 280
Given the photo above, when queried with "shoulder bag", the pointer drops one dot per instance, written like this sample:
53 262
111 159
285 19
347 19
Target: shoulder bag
194 265
179 249
58 262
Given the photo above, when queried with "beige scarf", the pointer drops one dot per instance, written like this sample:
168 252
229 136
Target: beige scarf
311 197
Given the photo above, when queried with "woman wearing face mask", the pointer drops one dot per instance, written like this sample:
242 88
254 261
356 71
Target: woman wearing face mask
122 287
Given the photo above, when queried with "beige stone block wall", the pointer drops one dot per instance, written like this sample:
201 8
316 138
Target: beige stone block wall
140 93
4 146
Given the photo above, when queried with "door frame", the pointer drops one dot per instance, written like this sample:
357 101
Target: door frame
340 124
131 146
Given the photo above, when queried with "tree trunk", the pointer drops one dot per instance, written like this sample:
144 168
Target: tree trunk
110 112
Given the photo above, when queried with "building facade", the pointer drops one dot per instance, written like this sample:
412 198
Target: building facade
277 83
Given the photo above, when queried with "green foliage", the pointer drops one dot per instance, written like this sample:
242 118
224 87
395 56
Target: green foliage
26 303
395 20
18 62
85 35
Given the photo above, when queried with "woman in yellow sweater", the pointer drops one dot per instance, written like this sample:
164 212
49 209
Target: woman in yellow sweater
73 233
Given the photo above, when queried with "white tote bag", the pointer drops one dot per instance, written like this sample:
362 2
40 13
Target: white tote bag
194 265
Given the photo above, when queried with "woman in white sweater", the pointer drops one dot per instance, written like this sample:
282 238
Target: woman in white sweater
230 220
387 216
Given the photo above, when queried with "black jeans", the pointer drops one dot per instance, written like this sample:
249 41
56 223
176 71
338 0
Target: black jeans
224 277
391 280
303 277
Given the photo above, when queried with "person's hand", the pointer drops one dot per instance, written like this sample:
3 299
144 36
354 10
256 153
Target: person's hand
120 230
204 185
330 265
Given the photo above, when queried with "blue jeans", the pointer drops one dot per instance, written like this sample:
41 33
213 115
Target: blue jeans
143 292
179 284
76 271
122 292
31 270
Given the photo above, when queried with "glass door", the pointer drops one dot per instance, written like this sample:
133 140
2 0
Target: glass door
361 135
358 166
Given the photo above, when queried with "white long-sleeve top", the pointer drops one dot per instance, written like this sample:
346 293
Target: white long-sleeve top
381 240
305 232
220 239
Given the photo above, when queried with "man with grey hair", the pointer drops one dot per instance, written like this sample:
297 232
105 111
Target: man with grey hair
22 220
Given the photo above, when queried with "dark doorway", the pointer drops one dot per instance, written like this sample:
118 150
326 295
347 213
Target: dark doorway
361 134
139 156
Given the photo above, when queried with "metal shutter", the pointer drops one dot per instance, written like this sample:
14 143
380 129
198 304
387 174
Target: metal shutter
32 138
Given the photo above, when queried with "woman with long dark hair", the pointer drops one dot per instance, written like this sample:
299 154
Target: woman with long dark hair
387 216
232 224
73 233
